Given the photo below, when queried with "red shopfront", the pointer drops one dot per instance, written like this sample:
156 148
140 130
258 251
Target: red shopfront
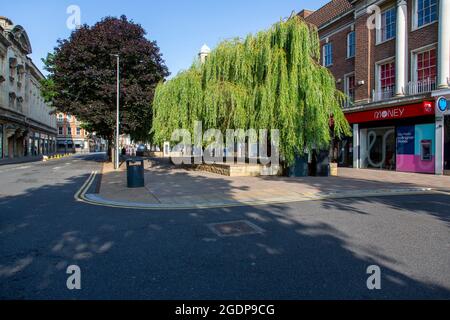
400 138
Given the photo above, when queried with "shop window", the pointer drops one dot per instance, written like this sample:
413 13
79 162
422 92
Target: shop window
1 141
30 146
328 54
36 147
378 148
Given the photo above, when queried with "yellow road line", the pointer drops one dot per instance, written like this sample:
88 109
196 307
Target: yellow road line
79 195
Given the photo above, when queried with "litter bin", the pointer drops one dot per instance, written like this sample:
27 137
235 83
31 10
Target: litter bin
300 168
135 173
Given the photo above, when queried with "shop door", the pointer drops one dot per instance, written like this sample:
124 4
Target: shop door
447 145
345 158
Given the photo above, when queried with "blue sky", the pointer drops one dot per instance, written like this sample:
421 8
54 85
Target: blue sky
180 27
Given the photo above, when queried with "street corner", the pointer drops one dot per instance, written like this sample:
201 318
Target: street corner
177 188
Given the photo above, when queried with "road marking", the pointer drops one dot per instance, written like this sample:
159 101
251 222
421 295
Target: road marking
446 192
79 196
24 167
16 168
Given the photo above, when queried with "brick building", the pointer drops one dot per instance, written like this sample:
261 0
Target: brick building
72 138
391 58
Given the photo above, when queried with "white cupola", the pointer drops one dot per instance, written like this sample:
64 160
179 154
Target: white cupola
204 53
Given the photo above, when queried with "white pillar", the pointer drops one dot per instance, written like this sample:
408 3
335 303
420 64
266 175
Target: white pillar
401 48
356 144
444 44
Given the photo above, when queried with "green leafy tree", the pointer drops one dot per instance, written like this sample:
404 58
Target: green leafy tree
268 81
82 77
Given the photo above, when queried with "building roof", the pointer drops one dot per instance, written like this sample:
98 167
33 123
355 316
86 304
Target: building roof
16 33
328 12
205 50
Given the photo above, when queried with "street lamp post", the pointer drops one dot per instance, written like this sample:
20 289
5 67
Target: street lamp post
116 160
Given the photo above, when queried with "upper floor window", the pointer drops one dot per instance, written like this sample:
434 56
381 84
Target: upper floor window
69 131
350 87
425 71
387 76
388 25
351 44
426 65
78 131
2 71
60 130
328 54
385 81
60 116
69 117
426 12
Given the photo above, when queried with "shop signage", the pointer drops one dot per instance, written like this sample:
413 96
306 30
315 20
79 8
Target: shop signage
442 104
405 140
407 111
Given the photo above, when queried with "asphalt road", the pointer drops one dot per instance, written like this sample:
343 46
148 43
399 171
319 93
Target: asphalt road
308 250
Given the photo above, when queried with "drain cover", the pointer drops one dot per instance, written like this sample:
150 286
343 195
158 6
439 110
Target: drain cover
235 229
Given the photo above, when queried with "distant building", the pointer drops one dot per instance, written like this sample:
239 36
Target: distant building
27 127
72 138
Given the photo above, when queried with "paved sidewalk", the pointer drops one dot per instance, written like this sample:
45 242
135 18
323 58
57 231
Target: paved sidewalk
169 187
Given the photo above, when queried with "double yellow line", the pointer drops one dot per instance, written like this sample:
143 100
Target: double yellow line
80 195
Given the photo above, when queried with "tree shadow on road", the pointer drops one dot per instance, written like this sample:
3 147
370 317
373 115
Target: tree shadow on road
138 254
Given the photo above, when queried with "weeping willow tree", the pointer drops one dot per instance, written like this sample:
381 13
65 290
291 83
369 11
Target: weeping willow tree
271 80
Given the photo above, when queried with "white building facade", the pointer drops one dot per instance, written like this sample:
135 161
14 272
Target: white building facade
27 126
